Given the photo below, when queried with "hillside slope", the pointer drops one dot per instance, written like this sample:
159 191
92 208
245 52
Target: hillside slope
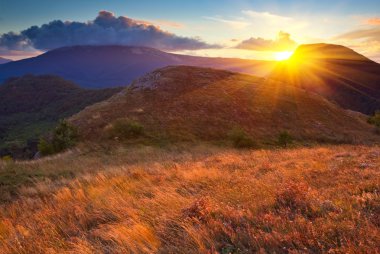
187 103
4 60
30 105
193 200
111 66
337 73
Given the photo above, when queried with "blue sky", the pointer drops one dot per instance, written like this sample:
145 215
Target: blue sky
224 22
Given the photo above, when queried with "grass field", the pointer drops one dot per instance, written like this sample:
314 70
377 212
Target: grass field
193 199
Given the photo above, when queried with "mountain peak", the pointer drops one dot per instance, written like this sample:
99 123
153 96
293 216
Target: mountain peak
86 48
327 51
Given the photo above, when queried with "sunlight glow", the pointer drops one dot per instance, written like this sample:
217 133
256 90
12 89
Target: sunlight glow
284 55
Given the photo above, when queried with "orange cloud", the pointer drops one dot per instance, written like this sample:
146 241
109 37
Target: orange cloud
373 21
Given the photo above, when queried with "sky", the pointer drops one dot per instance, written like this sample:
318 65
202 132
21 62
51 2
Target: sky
254 29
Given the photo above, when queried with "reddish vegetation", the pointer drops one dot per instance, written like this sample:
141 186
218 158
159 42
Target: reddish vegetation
199 200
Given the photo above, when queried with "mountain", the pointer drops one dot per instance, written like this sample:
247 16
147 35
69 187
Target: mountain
335 72
111 66
31 105
192 103
4 60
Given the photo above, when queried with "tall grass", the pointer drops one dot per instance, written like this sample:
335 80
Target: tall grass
199 200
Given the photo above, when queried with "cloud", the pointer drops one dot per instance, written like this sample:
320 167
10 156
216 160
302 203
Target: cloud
265 15
283 42
372 34
373 21
366 41
105 29
237 24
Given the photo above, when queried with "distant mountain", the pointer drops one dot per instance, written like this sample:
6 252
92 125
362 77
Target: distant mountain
111 66
4 60
31 105
337 73
191 103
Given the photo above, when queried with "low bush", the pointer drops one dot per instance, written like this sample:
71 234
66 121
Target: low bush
284 139
125 129
375 120
241 139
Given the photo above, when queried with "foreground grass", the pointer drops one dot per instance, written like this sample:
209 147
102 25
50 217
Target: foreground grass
195 200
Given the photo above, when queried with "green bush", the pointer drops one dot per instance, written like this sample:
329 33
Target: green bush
63 137
241 139
125 129
45 147
284 139
375 119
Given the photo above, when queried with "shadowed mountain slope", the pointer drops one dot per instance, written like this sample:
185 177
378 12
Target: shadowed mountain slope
190 103
4 60
111 66
31 105
335 72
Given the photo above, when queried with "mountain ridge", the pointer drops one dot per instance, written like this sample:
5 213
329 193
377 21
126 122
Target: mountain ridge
116 65
335 72
4 60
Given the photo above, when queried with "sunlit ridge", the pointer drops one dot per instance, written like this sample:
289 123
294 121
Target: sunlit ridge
283 55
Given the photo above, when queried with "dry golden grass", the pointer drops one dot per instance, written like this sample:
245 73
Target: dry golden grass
198 200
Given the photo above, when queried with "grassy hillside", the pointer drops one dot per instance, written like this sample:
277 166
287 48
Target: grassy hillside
191 103
337 73
193 199
32 105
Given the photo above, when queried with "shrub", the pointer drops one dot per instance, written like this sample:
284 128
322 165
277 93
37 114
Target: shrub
7 158
375 119
296 198
126 129
63 137
241 139
284 139
45 147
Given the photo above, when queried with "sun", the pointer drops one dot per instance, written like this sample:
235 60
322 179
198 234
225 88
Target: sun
283 55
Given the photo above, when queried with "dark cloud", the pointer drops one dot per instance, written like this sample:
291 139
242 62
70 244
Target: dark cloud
105 29
281 43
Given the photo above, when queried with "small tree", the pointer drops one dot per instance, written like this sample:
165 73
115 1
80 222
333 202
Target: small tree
63 137
241 139
284 139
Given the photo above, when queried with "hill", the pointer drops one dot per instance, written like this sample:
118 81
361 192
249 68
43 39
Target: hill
193 200
192 103
30 105
4 60
337 73
111 66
